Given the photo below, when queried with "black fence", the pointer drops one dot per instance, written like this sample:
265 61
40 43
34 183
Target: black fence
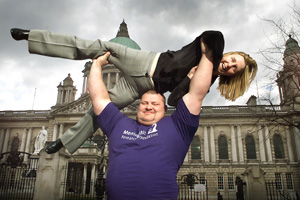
192 187
17 180
275 191
79 190
76 186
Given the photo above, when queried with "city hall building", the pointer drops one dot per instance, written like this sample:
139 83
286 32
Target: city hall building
250 151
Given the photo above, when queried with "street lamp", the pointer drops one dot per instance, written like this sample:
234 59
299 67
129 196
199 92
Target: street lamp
101 141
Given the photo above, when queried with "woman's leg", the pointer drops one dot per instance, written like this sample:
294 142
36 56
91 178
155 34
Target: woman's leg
136 63
130 61
122 95
75 136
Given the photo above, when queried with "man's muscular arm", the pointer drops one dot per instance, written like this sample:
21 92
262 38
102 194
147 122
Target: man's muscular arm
200 82
97 90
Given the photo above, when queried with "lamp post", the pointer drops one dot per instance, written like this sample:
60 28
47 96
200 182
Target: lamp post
101 141
100 186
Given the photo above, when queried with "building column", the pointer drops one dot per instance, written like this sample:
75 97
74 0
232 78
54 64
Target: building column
6 140
84 84
61 130
54 136
5 145
73 95
84 177
70 96
58 96
289 144
93 178
206 146
23 142
117 76
261 142
212 144
297 142
233 144
2 139
268 144
96 173
240 143
27 149
67 99
61 101
108 81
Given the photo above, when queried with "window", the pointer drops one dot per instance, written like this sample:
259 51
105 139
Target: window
202 179
289 181
278 147
196 148
220 182
278 181
250 147
223 147
230 182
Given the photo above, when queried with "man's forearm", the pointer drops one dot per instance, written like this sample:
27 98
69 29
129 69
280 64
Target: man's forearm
97 90
201 80
199 86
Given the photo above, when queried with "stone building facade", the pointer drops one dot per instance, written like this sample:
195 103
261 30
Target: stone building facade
256 143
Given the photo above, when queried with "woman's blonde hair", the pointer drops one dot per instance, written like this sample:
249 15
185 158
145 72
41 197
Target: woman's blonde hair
232 87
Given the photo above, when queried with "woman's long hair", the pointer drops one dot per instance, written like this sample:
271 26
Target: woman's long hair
232 87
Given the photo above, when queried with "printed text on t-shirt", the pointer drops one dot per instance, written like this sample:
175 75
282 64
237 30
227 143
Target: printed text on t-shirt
142 135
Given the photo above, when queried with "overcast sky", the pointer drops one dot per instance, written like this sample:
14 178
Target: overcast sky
156 25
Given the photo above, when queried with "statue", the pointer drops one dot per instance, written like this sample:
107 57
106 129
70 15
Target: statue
40 140
240 188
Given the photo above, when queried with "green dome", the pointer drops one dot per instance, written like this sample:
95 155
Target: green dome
126 42
292 47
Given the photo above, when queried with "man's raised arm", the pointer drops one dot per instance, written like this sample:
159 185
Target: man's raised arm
200 82
97 90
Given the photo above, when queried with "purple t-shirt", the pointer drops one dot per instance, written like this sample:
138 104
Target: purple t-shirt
144 160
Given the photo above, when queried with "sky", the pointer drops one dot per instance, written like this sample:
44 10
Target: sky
29 82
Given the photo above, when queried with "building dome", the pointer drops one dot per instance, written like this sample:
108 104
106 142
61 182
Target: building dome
292 47
126 42
123 37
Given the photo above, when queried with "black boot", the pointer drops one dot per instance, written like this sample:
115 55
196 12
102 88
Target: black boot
19 34
53 147
214 40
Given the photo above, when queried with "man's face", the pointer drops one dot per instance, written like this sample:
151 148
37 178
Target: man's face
151 109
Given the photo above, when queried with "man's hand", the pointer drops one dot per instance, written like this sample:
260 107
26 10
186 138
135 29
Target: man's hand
101 60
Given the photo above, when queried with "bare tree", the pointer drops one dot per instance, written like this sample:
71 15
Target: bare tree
282 58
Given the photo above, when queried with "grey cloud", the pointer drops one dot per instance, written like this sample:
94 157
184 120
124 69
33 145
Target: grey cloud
155 25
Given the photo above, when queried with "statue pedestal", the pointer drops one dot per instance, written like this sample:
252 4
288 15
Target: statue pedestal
255 183
51 173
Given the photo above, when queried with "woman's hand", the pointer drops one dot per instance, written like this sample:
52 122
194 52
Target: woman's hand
192 72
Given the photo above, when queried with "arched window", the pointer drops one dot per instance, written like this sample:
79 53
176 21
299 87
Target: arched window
223 147
15 144
250 147
278 147
196 148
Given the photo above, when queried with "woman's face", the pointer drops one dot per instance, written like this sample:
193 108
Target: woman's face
231 65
